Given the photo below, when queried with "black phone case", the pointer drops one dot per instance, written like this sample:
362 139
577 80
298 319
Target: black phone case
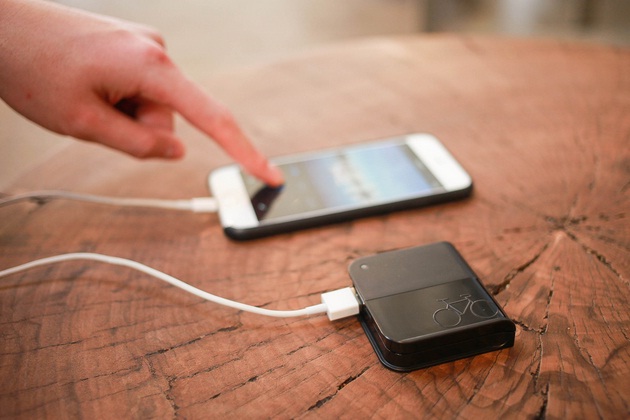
278 228
424 306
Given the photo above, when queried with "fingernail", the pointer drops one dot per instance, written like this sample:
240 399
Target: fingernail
276 176
175 150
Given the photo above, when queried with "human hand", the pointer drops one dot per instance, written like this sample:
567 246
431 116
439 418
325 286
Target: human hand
108 81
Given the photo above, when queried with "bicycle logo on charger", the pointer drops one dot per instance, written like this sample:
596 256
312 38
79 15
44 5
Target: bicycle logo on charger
451 315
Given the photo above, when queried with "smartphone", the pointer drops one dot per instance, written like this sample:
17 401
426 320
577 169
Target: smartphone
335 185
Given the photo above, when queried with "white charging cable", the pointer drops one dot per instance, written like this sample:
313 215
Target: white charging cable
336 304
197 205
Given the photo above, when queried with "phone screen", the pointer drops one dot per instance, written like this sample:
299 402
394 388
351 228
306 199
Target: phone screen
350 178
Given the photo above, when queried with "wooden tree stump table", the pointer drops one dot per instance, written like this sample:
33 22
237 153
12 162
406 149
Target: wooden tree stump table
543 127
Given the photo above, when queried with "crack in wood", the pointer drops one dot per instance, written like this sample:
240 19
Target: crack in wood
241 384
319 403
564 224
194 340
526 327
52 346
539 353
257 377
516 271
481 382
171 380
164 350
542 412
168 392
310 344
225 363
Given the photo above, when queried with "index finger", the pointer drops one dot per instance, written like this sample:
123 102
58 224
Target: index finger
215 120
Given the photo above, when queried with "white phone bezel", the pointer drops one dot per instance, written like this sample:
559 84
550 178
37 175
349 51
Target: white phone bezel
235 208
439 161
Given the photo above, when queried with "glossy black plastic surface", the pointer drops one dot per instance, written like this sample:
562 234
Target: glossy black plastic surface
425 305
290 226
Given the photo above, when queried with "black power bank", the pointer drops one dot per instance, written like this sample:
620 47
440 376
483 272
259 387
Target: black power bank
423 306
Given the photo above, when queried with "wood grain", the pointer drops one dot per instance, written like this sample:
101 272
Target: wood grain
543 127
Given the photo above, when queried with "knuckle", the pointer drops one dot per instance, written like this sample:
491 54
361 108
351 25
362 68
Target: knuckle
80 123
153 34
144 44
154 54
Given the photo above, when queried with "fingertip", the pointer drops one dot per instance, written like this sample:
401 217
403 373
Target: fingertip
275 177
175 150
264 170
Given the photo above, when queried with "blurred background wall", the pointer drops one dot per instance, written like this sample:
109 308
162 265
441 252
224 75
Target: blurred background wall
218 35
